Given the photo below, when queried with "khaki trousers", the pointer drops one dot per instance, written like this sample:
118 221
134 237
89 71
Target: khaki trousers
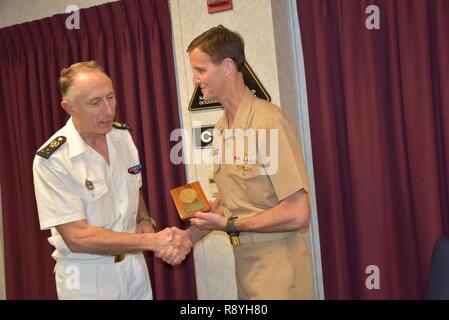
273 269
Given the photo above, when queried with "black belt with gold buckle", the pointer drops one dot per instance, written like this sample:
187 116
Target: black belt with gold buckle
119 257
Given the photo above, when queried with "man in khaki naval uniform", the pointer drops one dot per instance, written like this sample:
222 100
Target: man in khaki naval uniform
262 207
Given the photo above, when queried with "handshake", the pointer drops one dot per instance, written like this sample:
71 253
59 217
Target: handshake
172 245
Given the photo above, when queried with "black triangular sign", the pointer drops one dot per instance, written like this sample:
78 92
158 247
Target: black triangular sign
251 81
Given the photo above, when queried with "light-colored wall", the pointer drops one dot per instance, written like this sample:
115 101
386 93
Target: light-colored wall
272 47
214 264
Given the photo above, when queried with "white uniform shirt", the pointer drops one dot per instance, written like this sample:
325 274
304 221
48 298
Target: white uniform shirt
76 183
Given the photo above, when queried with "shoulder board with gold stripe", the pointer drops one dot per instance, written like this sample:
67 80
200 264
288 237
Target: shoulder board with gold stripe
122 126
51 147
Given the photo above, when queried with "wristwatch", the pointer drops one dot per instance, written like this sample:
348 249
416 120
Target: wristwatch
230 227
150 220
232 231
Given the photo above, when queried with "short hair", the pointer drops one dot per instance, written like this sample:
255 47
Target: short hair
68 74
221 43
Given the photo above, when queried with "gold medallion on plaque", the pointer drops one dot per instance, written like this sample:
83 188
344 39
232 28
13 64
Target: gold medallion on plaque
188 195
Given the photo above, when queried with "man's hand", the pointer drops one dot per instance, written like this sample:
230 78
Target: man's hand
209 220
174 245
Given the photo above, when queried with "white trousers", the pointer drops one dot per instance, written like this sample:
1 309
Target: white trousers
104 279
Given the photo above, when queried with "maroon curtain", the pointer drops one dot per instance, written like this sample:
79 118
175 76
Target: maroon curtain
132 40
378 103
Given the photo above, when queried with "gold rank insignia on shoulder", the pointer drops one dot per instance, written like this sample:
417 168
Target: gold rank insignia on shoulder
122 126
47 151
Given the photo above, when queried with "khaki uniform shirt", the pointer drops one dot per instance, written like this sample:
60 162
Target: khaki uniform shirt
249 187
268 265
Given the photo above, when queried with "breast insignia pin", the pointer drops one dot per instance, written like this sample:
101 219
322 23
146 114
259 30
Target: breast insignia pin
89 185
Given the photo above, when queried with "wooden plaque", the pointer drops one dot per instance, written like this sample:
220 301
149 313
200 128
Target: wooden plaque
189 199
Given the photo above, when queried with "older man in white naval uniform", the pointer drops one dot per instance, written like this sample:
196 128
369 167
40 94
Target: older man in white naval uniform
87 179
